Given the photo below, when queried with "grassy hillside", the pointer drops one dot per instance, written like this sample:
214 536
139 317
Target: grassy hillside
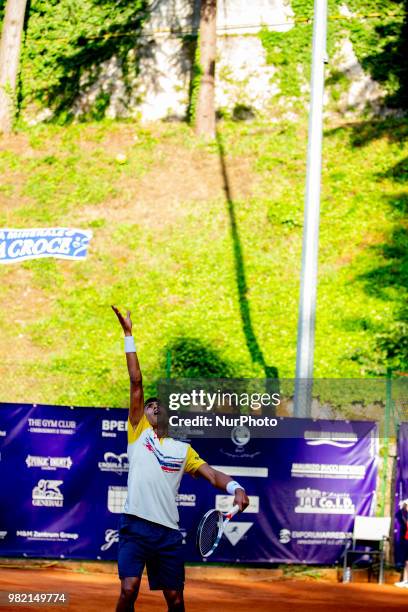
203 243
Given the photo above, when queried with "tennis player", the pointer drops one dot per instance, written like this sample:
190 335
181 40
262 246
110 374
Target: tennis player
148 530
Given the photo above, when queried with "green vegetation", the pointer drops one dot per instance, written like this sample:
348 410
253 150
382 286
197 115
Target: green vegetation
377 30
208 259
381 45
196 74
291 51
66 42
213 277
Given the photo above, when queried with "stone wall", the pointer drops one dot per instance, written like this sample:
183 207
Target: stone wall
161 87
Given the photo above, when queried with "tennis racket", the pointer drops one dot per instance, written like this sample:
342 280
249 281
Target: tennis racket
211 528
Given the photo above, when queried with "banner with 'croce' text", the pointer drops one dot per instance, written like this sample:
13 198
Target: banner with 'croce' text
61 243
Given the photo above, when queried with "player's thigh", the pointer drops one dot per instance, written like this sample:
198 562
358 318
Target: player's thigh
133 549
165 569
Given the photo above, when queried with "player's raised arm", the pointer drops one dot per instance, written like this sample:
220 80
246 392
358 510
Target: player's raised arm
136 407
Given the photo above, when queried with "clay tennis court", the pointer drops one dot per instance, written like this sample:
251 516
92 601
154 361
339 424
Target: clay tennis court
95 592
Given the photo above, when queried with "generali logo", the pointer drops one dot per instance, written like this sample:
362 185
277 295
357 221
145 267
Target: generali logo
47 493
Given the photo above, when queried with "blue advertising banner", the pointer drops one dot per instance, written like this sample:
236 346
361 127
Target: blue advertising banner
64 472
62 243
304 491
64 477
401 496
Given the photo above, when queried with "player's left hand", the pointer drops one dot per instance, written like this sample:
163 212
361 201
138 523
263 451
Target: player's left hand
241 499
126 322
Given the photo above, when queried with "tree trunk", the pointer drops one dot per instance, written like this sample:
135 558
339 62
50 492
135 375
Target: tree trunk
10 44
205 112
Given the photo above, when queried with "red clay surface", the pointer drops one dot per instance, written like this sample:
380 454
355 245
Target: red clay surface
98 593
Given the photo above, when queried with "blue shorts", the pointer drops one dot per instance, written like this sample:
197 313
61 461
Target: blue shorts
160 548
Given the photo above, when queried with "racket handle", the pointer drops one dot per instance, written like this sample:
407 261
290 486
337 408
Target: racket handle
232 512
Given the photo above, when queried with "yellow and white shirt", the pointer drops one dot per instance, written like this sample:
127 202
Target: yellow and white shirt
156 467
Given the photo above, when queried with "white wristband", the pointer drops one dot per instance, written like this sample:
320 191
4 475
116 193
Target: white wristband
232 486
130 346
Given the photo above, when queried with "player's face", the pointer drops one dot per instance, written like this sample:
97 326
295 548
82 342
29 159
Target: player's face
153 412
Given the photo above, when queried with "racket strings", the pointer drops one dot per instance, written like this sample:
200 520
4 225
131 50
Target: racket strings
209 532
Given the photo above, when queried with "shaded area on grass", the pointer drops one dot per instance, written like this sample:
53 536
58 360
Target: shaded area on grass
388 279
253 345
362 133
193 358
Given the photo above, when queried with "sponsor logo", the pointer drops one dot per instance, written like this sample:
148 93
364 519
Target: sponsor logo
3 535
48 463
184 536
60 242
47 493
111 537
234 532
186 499
331 438
47 536
240 435
329 538
114 463
239 451
314 501
116 499
328 470
224 503
111 427
51 426
284 536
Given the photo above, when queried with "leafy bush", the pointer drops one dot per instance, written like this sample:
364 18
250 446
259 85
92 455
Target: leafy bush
67 41
378 31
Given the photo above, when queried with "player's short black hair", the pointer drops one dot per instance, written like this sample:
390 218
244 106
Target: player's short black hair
152 400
